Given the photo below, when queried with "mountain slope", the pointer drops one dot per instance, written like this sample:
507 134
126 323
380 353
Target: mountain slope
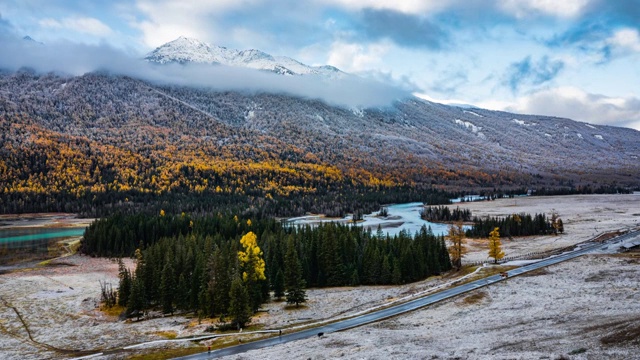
117 137
185 50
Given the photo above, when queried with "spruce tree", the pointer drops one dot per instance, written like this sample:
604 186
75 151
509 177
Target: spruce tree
167 287
294 283
278 285
136 303
239 307
124 287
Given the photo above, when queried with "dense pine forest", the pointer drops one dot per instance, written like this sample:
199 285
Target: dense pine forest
516 225
444 214
189 263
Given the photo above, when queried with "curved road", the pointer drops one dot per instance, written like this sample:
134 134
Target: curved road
408 306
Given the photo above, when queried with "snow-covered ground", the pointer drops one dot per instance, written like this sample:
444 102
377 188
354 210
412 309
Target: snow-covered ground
584 306
588 308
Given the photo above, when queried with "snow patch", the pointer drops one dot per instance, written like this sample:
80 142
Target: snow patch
598 137
548 135
590 126
469 125
472 113
524 123
579 135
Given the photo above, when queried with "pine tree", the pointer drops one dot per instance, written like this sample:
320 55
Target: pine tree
294 283
239 307
124 287
167 287
278 285
495 246
136 303
396 275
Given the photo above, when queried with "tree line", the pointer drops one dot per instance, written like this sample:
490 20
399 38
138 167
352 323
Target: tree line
445 214
516 225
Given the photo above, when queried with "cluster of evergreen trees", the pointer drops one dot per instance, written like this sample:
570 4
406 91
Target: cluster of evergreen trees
444 214
191 264
512 225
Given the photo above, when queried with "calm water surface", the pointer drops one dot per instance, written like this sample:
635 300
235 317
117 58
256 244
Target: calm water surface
19 235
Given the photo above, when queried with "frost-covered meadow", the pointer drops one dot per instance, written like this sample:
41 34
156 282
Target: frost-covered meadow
579 309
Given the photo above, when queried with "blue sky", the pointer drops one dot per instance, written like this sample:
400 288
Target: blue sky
570 58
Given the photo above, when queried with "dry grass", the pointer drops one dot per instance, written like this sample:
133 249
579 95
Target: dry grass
166 334
624 333
112 311
295 307
168 353
474 298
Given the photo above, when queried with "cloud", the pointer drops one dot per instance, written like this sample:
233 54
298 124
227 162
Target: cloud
268 25
404 6
355 57
5 26
403 29
625 41
576 104
75 59
527 8
85 25
606 29
532 73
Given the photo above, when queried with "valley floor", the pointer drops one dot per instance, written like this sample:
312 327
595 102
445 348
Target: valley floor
588 308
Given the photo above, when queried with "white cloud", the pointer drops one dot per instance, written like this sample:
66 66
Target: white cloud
167 20
352 57
576 104
525 8
404 6
85 25
626 40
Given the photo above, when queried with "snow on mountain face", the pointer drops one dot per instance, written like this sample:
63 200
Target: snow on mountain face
186 50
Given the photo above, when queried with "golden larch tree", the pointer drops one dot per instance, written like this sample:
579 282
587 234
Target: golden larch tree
495 246
457 248
251 261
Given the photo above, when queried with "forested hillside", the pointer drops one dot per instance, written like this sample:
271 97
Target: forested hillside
96 142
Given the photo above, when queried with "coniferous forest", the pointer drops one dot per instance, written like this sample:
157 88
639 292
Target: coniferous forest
189 263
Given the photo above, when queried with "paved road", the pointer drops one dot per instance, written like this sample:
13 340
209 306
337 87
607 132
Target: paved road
408 306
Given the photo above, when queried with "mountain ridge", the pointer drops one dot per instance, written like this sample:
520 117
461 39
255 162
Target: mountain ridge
188 50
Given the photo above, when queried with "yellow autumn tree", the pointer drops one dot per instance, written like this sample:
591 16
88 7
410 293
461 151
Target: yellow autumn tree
251 261
495 246
457 248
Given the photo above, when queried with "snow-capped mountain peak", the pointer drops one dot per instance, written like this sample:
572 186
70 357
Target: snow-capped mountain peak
187 50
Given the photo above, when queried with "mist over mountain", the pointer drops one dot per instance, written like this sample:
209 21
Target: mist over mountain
246 72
